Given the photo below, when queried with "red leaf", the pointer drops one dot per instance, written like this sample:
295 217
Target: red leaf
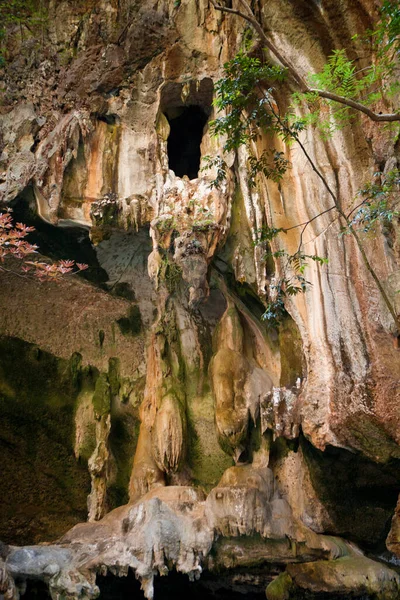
67 263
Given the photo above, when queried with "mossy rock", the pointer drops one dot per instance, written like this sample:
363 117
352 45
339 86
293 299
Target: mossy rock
44 486
124 290
75 365
114 365
206 459
171 273
123 439
291 351
102 396
280 588
240 237
365 433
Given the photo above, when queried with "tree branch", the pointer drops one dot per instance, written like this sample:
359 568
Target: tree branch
306 223
356 105
229 10
250 18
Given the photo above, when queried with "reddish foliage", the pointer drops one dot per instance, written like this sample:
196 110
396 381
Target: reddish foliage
13 243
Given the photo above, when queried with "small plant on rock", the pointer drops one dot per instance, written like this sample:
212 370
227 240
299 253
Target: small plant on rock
13 244
170 273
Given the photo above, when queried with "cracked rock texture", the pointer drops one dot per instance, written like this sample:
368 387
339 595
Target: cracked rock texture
151 400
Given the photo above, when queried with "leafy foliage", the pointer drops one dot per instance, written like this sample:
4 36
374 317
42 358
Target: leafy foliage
244 110
271 163
249 110
13 244
367 86
387 33
292 283
340 76
25 15
220 165
267 234
293 280
380 201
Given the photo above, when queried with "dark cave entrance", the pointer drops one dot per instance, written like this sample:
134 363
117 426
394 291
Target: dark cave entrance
57 242
187 124
174 587
187 108
178 586
34 590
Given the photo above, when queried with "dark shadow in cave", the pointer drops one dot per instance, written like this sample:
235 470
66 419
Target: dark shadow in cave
187 124
178 586
46 487
36 590
118 588
72 243
358 494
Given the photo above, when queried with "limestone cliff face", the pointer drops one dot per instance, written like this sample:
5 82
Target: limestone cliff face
176 382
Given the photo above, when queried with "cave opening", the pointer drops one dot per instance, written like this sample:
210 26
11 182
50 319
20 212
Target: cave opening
187 124
177 585
187 108
34 590
55 242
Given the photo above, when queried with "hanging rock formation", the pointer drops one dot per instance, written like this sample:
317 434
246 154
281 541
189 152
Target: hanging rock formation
238 385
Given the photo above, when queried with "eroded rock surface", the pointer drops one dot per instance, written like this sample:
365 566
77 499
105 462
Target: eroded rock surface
205 439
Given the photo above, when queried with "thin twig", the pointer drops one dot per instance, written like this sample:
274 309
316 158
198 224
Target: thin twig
312 219
356 207
250 17
12 272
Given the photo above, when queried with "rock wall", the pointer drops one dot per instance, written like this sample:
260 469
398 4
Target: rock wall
220 442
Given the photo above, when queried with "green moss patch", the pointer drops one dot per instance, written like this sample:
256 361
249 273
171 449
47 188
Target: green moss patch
102 396
124 290
206 458
44 486
291 350
123 440
280 588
